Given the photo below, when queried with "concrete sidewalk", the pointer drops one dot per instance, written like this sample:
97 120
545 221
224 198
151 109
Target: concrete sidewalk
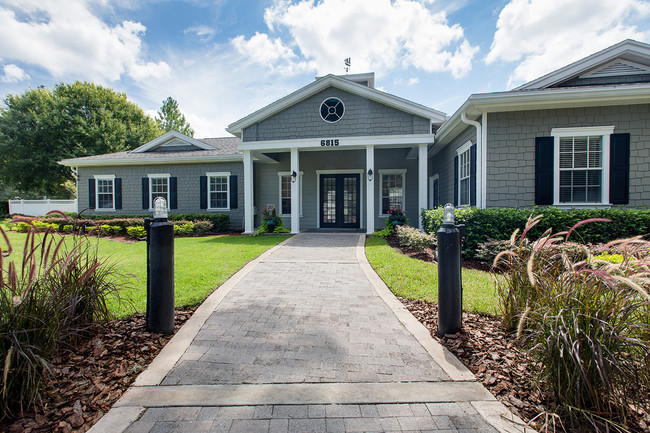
306 338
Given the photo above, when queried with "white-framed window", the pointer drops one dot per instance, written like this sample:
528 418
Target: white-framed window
392 193
581 165
218 191
105 192
284 178
464 171
158 187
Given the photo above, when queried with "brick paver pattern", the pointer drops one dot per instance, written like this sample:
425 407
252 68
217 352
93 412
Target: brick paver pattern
306 314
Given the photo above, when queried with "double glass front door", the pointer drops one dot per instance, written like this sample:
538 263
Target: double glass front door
339 200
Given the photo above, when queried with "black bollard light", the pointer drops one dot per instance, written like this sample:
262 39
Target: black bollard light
450 287
160 271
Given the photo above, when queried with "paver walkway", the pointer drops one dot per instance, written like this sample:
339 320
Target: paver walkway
306 338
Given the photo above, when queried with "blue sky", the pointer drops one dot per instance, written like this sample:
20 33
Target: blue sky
223 59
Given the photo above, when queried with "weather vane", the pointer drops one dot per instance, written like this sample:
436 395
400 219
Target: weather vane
347 64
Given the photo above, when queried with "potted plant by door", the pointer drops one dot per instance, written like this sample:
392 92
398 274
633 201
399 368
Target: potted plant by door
397 216
269 216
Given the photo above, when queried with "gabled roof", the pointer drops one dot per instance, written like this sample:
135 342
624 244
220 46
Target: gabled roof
538 94
171 137
629 51
213 150
436 117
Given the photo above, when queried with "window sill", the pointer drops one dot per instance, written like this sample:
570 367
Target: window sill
217 210
104 210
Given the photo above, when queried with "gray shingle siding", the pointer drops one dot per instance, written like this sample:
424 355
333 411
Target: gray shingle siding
188 187
604 81
362 117
511 148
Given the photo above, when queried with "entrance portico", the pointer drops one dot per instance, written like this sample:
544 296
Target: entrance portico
340 185
336 154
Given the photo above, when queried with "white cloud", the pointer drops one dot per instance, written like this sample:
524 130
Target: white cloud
272 54
413 81
376 34
70 40
13 74
543 35
203 33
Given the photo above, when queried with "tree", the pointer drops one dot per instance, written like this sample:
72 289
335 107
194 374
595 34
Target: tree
170 118
43 126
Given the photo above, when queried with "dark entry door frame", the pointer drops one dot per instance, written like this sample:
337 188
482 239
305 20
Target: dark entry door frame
340 199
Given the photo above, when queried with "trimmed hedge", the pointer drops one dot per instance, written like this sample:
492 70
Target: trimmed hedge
484 225
220 222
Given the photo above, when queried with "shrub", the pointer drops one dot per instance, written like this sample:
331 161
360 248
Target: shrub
136 232
4 208
412 239
383 233
585 321
487 251
201 227
52 296
183 228
484 225
220 221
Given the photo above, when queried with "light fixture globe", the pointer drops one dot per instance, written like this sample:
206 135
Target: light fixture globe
160 207
448 214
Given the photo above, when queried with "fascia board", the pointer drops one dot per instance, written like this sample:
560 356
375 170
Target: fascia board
171 135
583 65
543 99
151 161
236 128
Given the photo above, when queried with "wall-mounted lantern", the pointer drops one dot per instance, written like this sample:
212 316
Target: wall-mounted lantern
370 175
294 175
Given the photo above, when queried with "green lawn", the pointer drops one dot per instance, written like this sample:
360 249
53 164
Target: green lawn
200 264
414 279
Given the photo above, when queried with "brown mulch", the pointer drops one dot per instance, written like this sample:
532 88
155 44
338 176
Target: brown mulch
93 376
492 355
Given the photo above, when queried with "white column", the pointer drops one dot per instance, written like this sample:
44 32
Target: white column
370 190
422 181
295 192
248 192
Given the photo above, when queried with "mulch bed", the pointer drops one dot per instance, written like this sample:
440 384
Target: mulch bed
89 379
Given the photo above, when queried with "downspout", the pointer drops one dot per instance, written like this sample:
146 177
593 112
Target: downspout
479 157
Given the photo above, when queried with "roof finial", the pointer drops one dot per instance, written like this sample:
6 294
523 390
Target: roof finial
347 64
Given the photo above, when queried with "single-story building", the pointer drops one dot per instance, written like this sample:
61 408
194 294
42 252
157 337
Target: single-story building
339 153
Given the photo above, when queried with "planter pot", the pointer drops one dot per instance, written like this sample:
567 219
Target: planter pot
397 223
270 225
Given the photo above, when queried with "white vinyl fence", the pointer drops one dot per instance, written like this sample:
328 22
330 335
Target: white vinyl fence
41 207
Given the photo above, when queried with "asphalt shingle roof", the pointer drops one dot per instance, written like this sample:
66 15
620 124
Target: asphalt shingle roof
223 146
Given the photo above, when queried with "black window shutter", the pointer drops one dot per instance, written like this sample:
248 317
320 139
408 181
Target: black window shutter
145 193
173 193
619 168
203 180
233 192
91 193
117 188
456 180
544 147
472 175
